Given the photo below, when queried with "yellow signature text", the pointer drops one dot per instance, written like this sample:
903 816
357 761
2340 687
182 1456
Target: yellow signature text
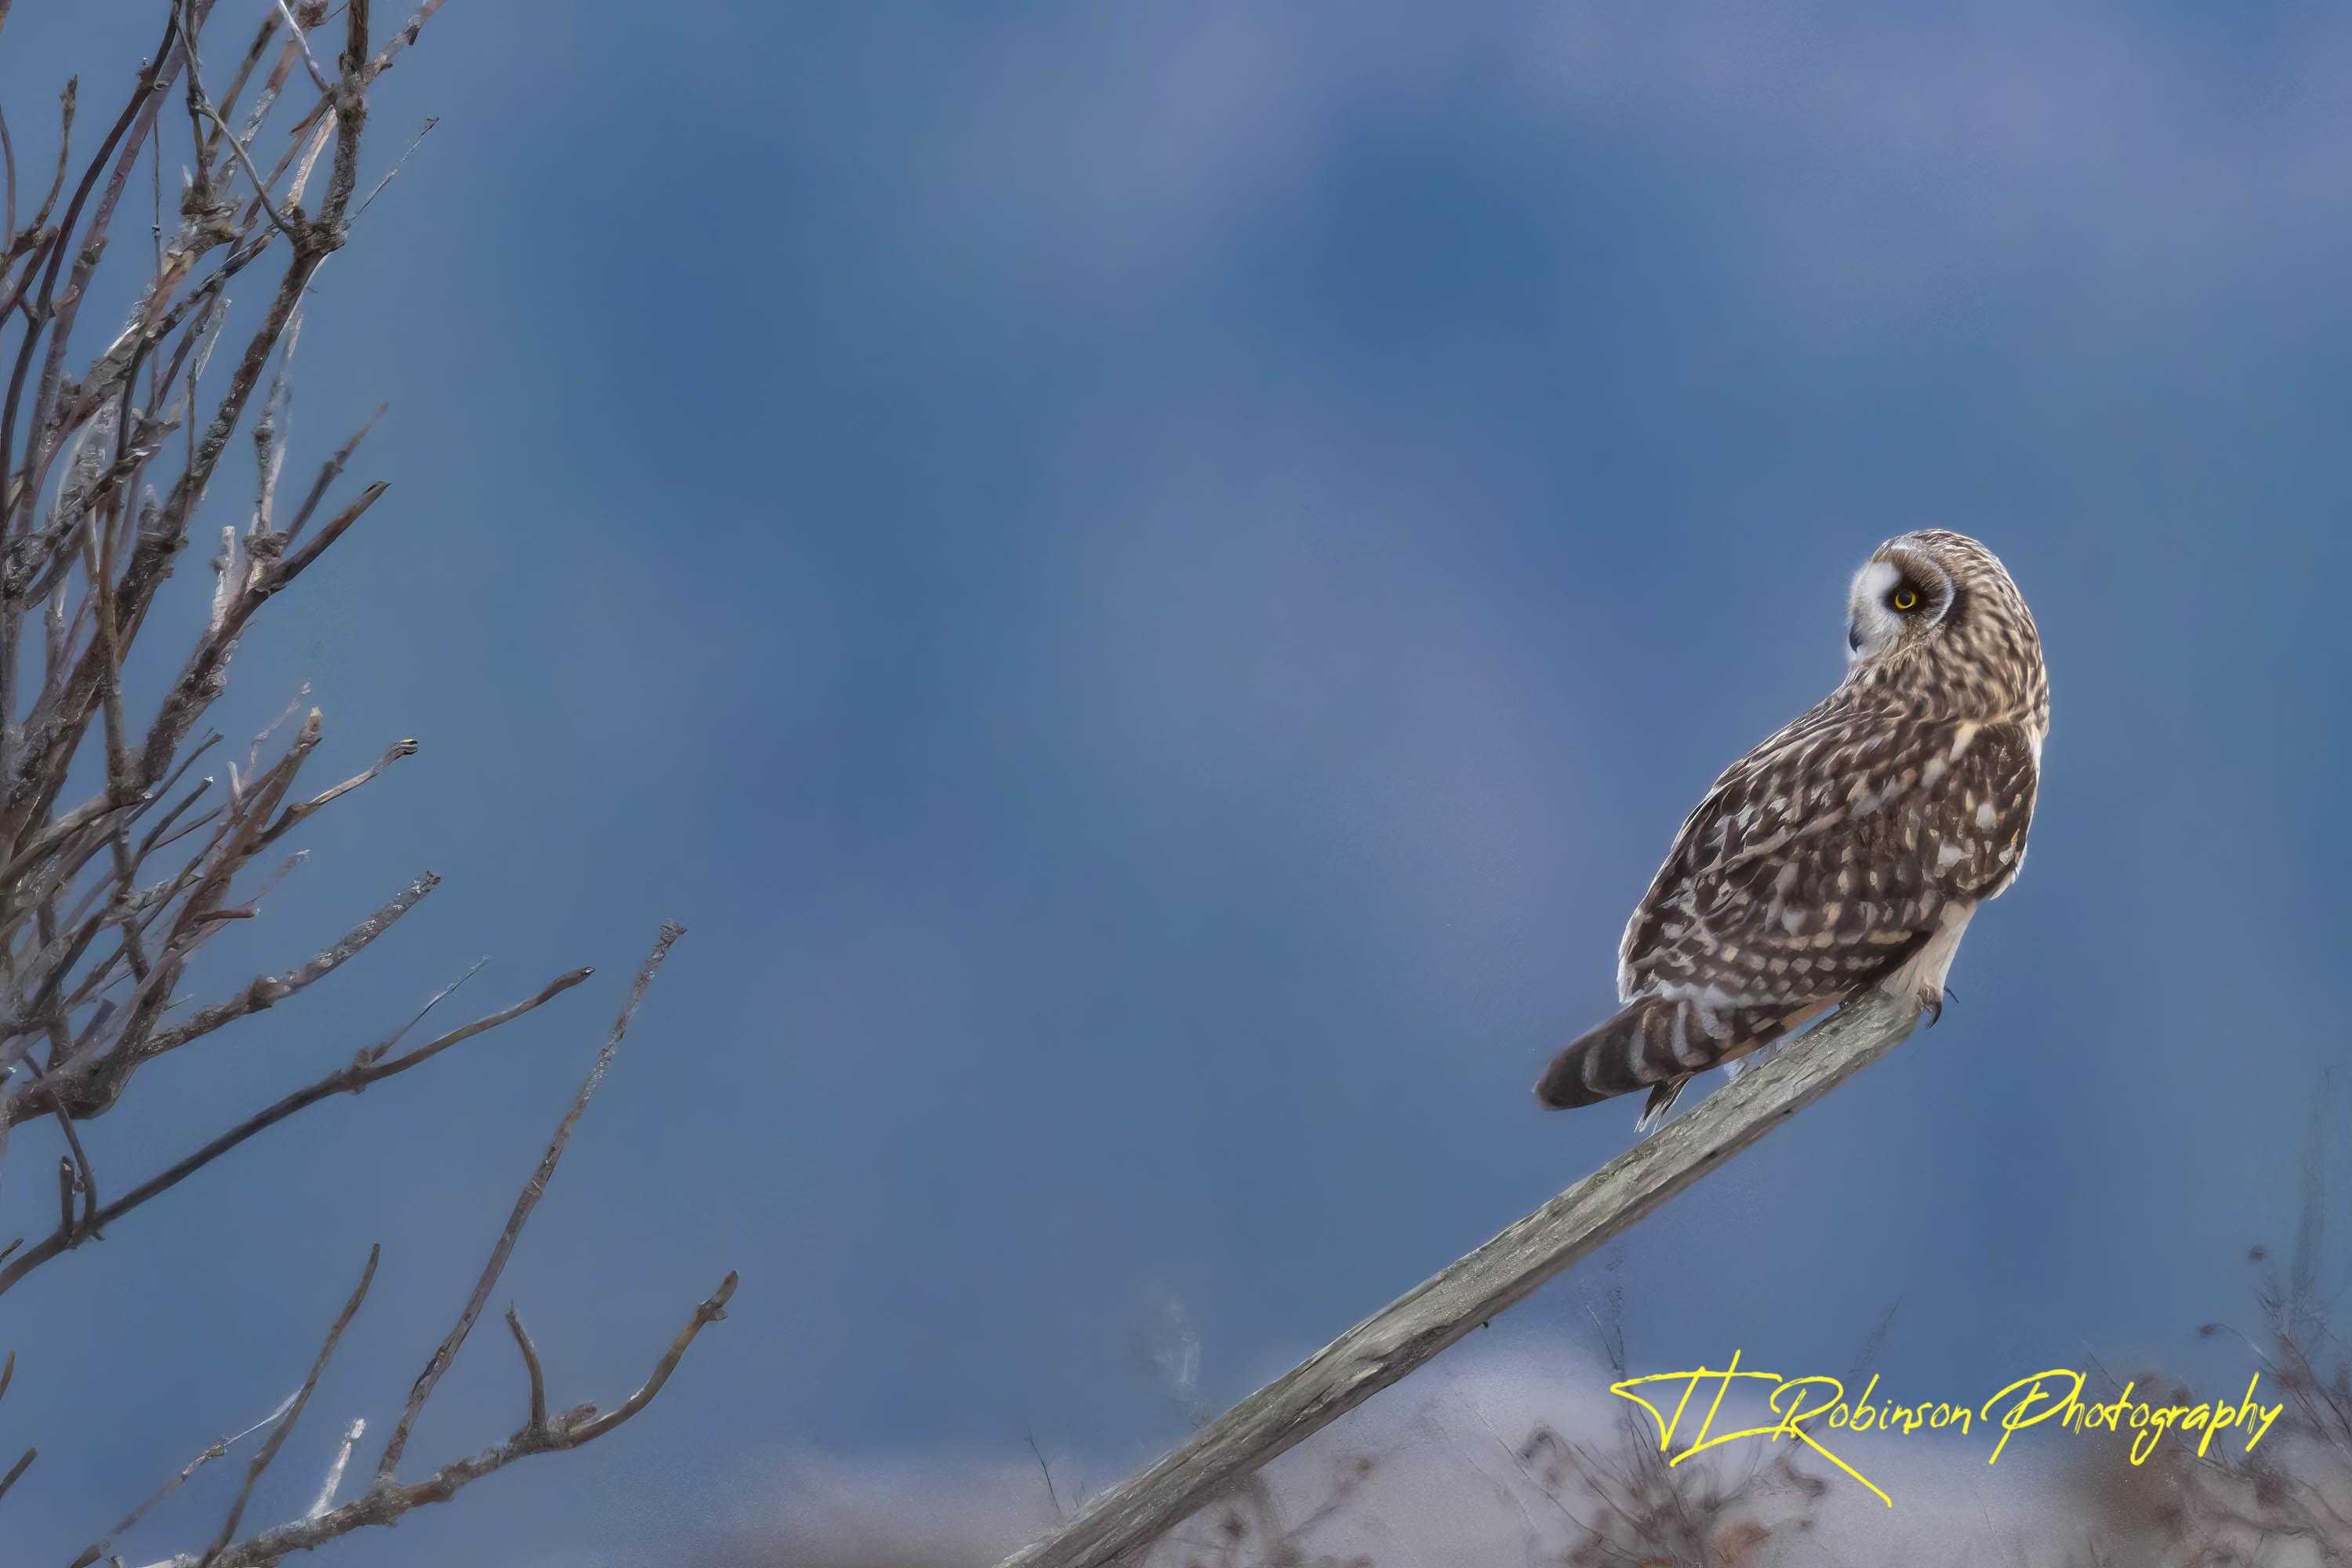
1802 1409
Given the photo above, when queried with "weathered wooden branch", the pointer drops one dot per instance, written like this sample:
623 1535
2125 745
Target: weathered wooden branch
1413 1328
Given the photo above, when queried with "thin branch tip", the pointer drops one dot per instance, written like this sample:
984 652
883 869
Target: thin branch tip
388 1463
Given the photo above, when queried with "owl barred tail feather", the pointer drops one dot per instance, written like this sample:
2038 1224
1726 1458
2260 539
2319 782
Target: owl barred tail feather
1654 1044
1614 1059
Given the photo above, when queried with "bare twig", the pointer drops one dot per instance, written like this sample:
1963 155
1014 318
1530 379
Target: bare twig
294 1412
303 43
348 1079
386 1501
531 1369
269 990
277 220
329 471
293 816
589 1425
430 121
204 1456
389 1465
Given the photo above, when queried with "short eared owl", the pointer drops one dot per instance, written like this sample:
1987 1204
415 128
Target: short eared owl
1849 851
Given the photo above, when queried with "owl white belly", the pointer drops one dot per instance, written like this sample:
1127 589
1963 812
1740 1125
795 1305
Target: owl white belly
1920 978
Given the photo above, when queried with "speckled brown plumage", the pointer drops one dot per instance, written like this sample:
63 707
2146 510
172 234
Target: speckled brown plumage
1849 849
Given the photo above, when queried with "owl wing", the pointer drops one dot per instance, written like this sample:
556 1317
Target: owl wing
1827 855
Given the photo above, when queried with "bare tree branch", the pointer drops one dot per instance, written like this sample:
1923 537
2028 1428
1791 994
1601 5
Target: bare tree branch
367 1068
531 1369
294 1412
106 906
389 1465
204 1456
303 44
385 1502
269 990
388 1497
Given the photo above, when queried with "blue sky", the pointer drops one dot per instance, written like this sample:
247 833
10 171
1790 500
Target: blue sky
1151 584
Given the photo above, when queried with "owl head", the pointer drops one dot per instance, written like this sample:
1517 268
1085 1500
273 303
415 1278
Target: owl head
1938 610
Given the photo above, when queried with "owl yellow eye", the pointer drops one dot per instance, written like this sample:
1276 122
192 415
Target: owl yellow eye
1904 599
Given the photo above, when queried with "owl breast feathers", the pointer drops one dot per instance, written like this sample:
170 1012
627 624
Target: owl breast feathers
1847 851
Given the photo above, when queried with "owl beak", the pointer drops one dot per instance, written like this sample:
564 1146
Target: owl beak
1853 637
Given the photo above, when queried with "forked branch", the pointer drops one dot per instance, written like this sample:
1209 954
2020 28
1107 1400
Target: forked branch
388 1497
